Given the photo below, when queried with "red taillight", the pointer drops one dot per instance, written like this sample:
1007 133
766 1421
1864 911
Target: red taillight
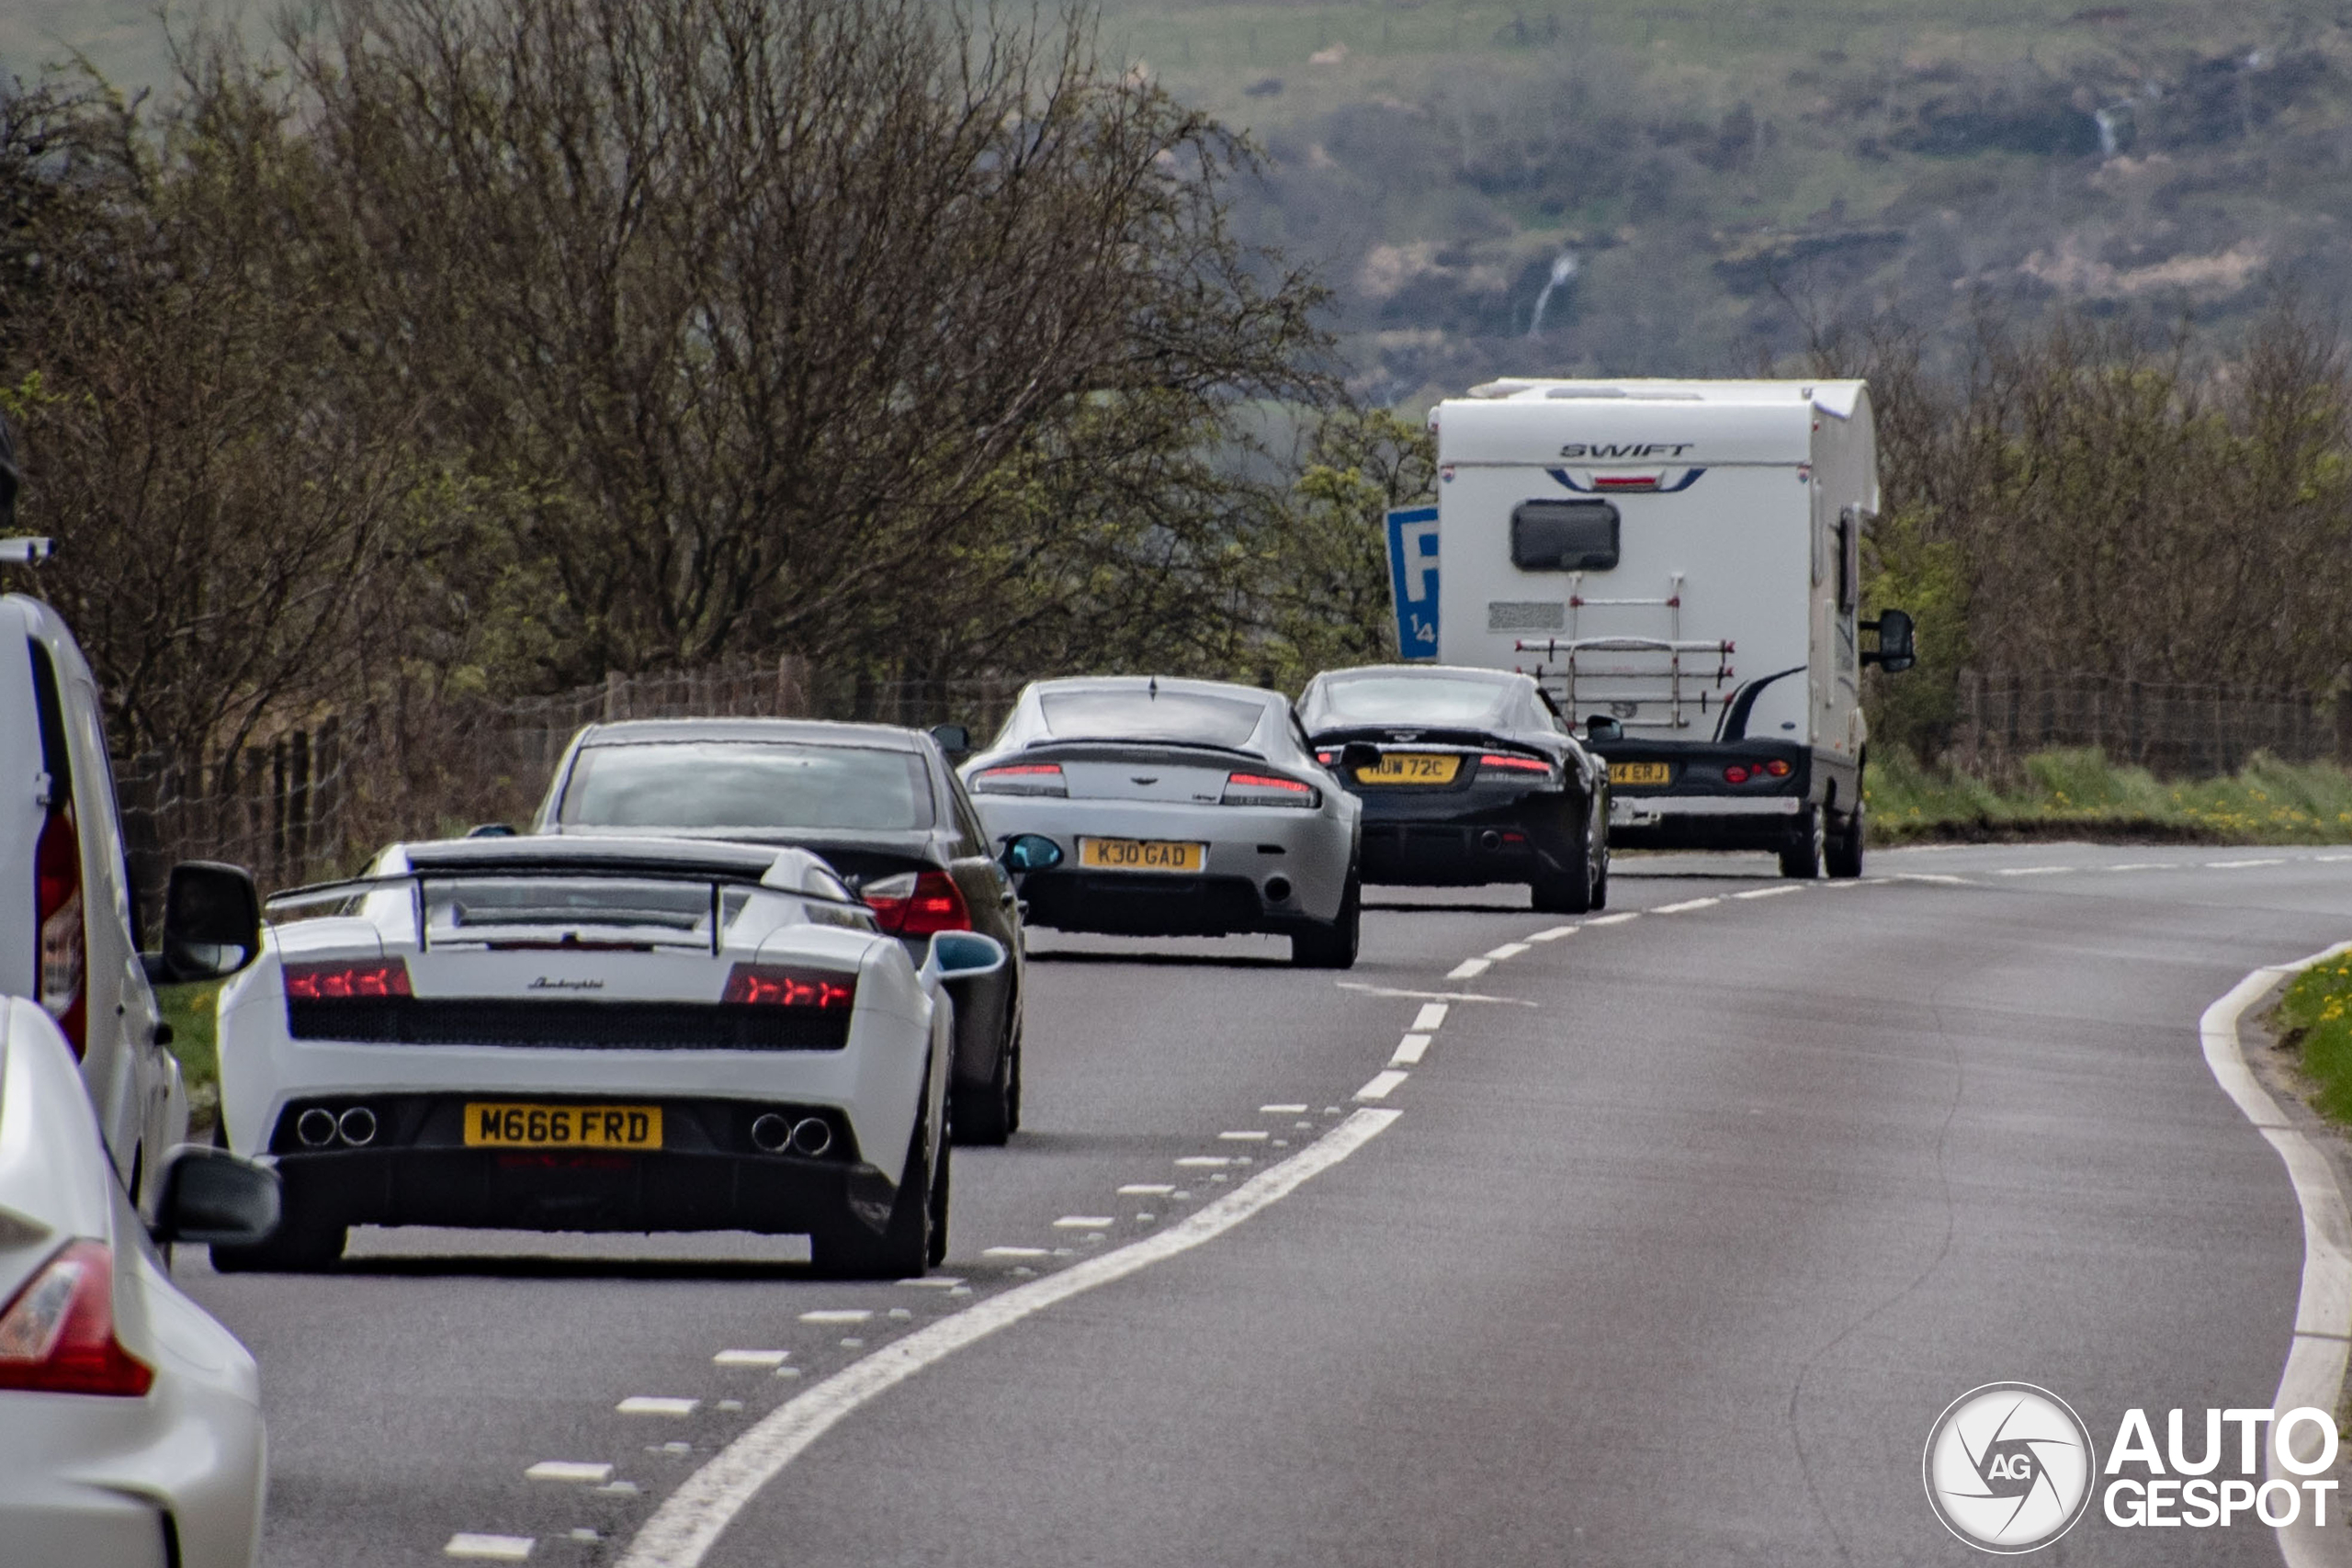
57 1336
1267 789
64 953
769 985
1627 482
1512 765
918 905
1777 768
1327 758
1735 773
1022 778
344 979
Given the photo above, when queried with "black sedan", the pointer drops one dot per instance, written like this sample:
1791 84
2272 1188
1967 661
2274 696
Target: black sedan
879 803
1468 776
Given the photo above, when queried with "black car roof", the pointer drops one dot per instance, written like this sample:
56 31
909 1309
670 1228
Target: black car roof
808 731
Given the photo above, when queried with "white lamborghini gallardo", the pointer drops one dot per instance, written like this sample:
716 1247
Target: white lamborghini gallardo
596 1034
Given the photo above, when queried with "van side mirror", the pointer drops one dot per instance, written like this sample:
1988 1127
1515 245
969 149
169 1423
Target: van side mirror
1358 754
210 1196
211 921
954 739
1030 851
1600 730
1893 653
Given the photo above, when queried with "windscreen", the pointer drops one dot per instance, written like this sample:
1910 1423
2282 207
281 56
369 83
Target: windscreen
1436 701
1141 715
746 783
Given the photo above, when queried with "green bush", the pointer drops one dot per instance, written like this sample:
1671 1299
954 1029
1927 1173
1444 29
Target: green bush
193 1013
2314 1020
2080 791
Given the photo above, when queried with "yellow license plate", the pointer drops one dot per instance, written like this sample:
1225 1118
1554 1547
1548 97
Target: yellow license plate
1141 854
1641 773
1411 768
505 1126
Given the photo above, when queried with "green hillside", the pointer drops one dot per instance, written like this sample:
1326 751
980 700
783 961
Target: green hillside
1707 179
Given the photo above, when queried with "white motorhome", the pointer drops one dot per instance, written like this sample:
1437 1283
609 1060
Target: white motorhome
1679 562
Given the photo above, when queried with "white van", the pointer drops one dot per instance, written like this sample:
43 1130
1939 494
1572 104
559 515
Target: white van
68 929
1680 561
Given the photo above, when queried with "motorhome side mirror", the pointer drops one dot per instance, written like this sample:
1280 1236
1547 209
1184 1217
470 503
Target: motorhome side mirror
1893 653
1600 729
210 1196
954 739
1030 851
1358 754
211 921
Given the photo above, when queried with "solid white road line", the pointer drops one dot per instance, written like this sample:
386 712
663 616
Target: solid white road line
568 1470
1555 934
1686 904
1771 892
751 1357
1507 950
690 1520
656 1404
1409 1051
1469 969
1614 920
490 1548
2316 1356
1431 1016
1382 1082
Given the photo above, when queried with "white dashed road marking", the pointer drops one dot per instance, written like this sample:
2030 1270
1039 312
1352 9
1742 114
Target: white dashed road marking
751 1357
1382 1082
1195 1161
1469 969
2032 870
2236 864
1555 934
1431 1016
1685 905
1014 1252
1247 1135
1084 1221
1368 990
1409 1051
490 1548
691 1519
657 1404
1771 892
1507 950
1145 1188
570 1470
837 1315
1614 920
1281 1110
933 1283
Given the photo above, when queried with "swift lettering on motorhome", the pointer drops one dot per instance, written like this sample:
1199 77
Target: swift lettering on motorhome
1683 560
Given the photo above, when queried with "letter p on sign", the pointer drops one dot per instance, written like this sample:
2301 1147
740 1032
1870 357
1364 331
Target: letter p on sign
1412 579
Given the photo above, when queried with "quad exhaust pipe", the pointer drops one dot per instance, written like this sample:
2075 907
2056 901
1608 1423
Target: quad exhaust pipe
776 1135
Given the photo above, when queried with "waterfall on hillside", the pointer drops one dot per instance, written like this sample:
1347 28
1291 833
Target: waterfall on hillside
1562 271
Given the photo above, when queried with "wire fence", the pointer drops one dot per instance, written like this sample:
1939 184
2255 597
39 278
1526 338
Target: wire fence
2174 731
317 799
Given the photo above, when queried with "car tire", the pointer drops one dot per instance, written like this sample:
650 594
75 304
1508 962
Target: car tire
1333 944
300 1245
1569 895
988 1113
1844 852
1801 856
847 1249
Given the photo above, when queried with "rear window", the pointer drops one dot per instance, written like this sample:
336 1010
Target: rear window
748 783
1142 716
1433 700
1563 535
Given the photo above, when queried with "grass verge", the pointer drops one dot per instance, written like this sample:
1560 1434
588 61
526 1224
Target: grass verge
191 1010
2314 1021
2081 795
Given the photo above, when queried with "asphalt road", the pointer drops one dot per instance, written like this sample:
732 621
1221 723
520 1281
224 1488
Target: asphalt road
1688 1228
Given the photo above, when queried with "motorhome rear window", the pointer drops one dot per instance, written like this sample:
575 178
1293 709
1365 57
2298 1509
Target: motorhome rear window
1563 535
745 784
1130 714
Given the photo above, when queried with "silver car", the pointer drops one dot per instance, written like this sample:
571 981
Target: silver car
1140 806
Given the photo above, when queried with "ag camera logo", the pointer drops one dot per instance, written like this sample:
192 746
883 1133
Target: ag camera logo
2008 1467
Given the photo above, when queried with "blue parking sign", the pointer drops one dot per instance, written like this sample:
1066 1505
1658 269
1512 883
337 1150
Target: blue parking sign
1412 579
